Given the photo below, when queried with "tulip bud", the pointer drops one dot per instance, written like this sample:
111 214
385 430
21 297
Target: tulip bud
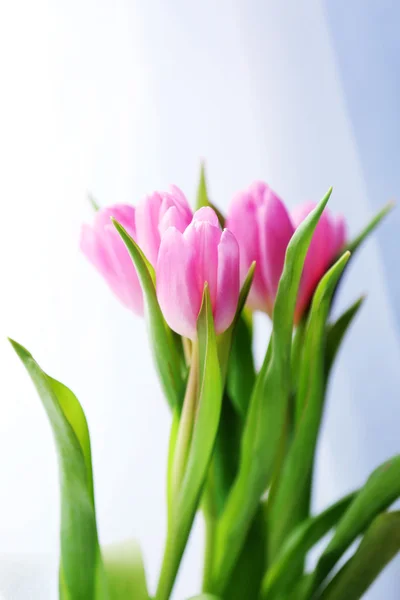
202 253
263 227
155 214
104 248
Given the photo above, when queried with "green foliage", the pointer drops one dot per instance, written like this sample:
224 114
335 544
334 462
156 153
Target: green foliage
281 575
166 348
380 491
294 477
201 448
203 198
81 565
125 572
266 413
378 546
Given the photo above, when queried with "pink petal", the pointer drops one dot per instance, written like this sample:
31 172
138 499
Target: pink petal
228 281
204 238
276 229
340 235
208 215
173 218
242 220
319 256
177 287
147 218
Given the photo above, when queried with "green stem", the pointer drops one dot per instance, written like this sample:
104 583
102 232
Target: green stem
179 452
186 423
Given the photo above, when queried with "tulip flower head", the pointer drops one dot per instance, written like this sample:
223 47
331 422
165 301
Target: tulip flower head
186 261
155 214
104 248
263 227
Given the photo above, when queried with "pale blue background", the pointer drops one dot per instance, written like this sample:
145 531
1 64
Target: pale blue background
124 96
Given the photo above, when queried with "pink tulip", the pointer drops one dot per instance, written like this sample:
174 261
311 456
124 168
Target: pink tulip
263 227
155 214
103 246
202 253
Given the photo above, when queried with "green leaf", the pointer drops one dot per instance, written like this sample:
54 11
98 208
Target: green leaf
203 199
379 492
200 452
281 574
125 571
202 194
356 243
362 236
167 349
267 411
246 578
296 474
93 202
205 597
336 333
236 354
81 565
379 545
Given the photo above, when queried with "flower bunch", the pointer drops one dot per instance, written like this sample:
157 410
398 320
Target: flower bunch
243 441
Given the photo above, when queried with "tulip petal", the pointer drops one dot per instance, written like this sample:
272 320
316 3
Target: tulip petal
147 218
173 218
177 286
228 281
340 234
208 215
320 254
105 250
276 229
204 238
242 221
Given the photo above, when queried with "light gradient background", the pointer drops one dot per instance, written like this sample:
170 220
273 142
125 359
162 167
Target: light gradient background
120 97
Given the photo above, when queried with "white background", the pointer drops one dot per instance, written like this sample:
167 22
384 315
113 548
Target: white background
121 97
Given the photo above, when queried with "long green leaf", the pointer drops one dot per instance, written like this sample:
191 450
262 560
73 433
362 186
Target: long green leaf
379 545
295 476
205 597
241 370
354 245
267 411
362 236
336 333
125 571
81 565
281 574
166 348
200 452
203 198
380 491
246 578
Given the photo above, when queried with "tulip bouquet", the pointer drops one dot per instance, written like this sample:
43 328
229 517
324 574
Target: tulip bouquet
243 440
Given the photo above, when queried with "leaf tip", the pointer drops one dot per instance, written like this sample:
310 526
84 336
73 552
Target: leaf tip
93 202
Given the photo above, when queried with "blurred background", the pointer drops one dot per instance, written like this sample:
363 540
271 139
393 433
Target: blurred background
120 97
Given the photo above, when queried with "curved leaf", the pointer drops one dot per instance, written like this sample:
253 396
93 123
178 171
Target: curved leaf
167 349
281 575
125 571
295 477
380 491
336 333
81 570
202 196
267 411
204 597
200 451
362 236
379 545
